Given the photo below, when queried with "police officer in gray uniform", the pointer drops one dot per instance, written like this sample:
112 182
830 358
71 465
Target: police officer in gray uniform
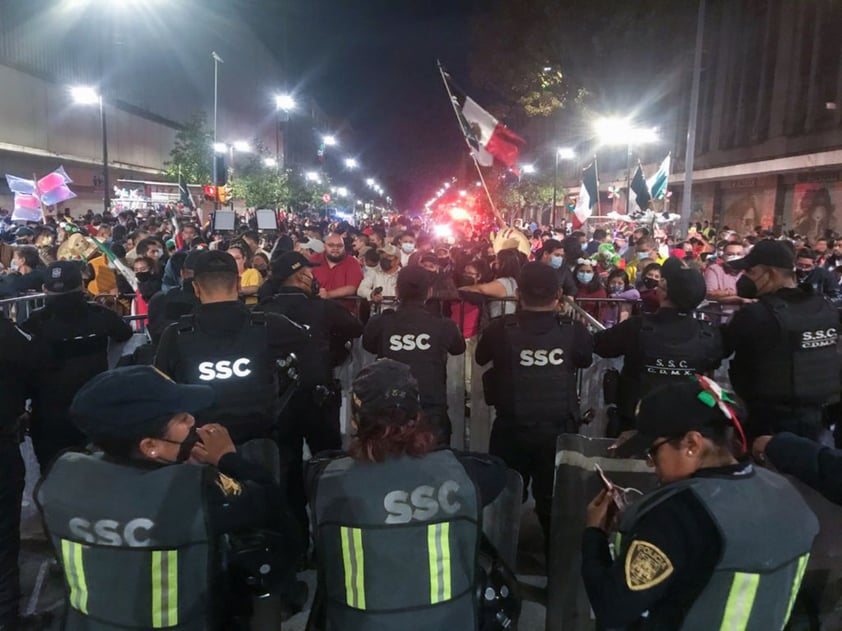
532 382
138 528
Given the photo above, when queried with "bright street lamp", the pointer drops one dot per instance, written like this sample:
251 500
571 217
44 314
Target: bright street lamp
370 182
351 163
220 147
242 146
285 102
342 191
621 131
565 153
312 176
330 141
87 95
270 162
528 169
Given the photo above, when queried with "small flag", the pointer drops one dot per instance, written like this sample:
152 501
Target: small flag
20 185
183 192
492 137
57 195
639 190
588 195
657 184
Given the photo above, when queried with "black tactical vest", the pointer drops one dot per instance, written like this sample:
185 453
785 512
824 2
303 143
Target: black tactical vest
803 367
413 337
537 382
239 369
133 543
398 544
767 533
668 360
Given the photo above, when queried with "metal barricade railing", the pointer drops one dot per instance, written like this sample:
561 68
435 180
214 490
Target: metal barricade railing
20 308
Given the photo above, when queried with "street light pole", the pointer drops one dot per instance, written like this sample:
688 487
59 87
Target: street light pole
628 178
555 190
106 179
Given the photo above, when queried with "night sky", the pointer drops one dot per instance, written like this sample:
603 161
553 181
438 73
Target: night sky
373 62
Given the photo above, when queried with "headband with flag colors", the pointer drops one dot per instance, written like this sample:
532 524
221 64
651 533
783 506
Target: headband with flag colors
713 395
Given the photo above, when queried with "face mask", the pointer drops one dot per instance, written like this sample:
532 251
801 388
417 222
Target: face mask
642 256
263 271
801 274
185 447
585 277
650 283
746 288
556 261
143 276
14 265
408 248
615 289
386 264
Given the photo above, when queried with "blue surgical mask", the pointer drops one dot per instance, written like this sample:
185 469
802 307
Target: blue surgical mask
408 248
615 289
642 256
584 277
556 261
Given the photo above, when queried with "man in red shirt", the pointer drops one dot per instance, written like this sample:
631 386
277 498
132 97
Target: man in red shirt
339 275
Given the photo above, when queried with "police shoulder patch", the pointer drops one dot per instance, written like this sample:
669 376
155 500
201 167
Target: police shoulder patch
229 486
646 566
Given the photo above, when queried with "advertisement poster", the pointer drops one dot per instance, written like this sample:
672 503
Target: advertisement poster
813 208
745 209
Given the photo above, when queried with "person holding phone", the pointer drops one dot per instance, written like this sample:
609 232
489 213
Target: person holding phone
383 281
699 552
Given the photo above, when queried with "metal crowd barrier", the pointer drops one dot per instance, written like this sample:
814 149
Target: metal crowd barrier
20 308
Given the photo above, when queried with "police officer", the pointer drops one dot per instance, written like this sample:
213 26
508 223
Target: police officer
785 365
138 528
18 365
532 382
233 350
167 307
662 347
396 511
313 412
73 334
699 552
420 339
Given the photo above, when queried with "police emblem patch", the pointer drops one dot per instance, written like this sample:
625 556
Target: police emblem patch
228 485
646 566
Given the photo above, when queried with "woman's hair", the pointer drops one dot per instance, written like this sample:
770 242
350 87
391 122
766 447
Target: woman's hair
652 267
723 436
391 434
128 448
245 250
618 273
261 255
508 264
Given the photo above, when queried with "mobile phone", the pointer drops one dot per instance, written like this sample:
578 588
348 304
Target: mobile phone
378 290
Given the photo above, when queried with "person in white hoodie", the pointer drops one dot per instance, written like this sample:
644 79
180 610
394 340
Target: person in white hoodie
382 282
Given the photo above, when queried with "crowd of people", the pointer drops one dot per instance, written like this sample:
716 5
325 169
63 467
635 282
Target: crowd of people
248 328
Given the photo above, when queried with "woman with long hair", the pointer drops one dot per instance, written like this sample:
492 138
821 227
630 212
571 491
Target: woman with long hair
506 269
250 278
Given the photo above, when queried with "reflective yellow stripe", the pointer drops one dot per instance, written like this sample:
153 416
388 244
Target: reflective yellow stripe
438 552
164 588
353 563
740 602
796 584
74 571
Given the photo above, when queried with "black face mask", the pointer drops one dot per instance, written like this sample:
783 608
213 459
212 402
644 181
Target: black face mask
185 447
386 264
144 276
746 288
650 283
263 271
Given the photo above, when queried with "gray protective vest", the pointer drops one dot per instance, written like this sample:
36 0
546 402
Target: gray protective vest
398 544
767 531
133 543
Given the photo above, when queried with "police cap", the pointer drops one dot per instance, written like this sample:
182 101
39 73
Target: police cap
767 252
686 286
215 262
131 403
288 264
386 385
673 409
63 277
192 258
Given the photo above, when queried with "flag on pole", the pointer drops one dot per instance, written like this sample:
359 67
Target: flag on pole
183 192
588 195
639 190
494 141
658 183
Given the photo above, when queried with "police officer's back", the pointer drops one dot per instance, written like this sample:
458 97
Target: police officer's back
167 307
532 382
18 366
138 527
233 350
415 336
785 364
74 335
663 347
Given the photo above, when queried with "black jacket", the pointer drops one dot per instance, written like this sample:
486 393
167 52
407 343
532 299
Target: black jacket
165 308
19 364
813 463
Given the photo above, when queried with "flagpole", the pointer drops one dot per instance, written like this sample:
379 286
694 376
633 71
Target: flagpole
494 210
596 175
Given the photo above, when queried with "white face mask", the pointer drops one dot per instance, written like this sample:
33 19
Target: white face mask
732 257
14 265
408 248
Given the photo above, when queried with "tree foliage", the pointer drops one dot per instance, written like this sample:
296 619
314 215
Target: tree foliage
192 152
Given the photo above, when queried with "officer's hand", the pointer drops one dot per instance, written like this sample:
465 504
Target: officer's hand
758 449
600 511
216 442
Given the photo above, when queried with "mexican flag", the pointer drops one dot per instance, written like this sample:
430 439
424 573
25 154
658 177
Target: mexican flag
588 195
658 183
639 190
491 139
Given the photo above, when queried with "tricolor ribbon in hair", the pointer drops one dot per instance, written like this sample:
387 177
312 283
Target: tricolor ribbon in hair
713 395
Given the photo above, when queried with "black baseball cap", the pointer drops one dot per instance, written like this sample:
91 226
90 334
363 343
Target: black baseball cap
414 277
132 402
215 261
767 252
686 286
288 264
191 259
63 277
539 281
672 410
386 385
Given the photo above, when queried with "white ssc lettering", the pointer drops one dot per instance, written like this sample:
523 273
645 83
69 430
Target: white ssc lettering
224 369
109 532
541 357
410 342
422 504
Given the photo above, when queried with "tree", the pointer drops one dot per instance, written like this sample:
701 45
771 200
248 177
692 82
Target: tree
192 152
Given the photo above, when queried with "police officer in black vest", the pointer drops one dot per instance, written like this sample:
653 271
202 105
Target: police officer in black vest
420 339
532 382
785 364
74 335
313 412
233 350
167 307
18 366
663 347
138 528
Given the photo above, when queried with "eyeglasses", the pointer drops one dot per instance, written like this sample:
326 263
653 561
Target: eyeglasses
652 452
